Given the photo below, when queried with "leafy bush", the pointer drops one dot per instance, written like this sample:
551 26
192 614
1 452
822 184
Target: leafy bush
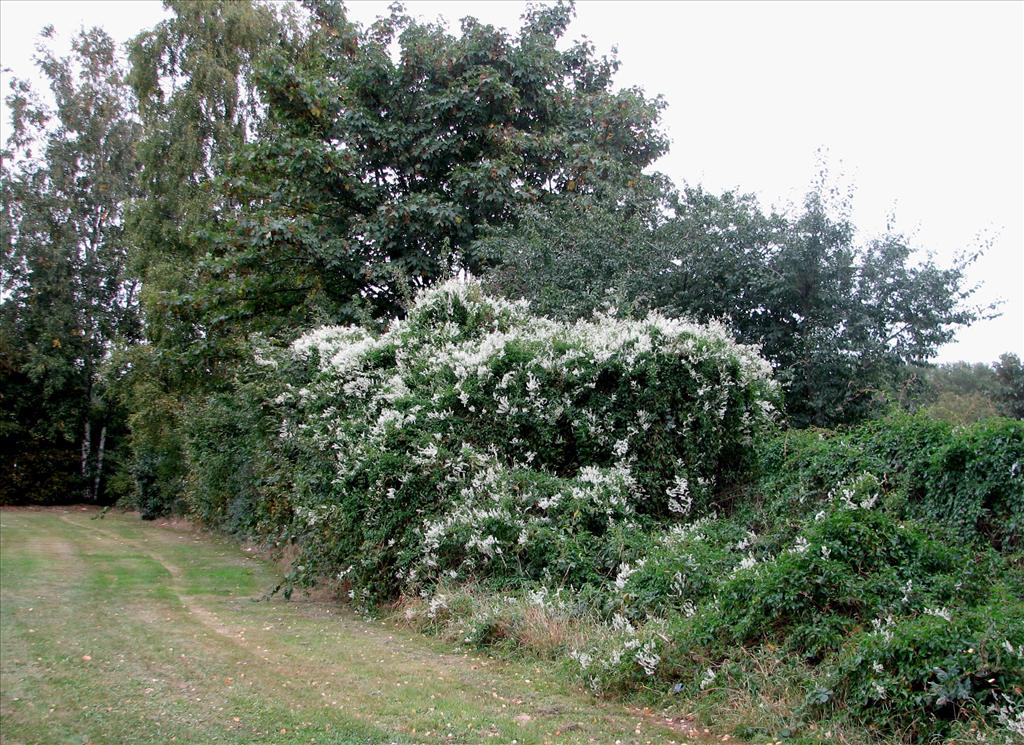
225 445
847 566
681 568
929 670
847 562
970 479
473 439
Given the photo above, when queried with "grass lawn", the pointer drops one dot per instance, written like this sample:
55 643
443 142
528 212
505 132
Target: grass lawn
119 631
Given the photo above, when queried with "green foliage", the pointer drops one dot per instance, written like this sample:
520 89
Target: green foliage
545 467
928 671
238 476
156 465
865 555
681 569
580 255
474 439
961 393
969 479
281 192
194 80
375 173
846 566
193 77
841 319
40 464
588 476
67 299
597 475
1010 372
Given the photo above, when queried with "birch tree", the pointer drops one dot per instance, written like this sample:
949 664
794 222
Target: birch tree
68 172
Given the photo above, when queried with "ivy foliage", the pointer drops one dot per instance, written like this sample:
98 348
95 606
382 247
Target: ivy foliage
879 565
969 479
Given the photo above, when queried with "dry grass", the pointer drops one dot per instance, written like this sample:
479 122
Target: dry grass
501 623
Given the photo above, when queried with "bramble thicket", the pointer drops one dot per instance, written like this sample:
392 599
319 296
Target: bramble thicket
411 309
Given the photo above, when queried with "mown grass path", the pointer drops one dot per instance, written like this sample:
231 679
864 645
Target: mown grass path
118 631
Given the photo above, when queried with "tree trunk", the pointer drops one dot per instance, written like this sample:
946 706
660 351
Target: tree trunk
99 464
86 452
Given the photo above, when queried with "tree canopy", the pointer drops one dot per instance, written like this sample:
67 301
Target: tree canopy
67 175
377 170
194 78
841 318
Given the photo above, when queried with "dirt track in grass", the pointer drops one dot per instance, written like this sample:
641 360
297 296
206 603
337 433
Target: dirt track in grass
117 631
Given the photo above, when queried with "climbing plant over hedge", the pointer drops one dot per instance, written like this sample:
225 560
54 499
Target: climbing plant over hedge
970 479
474 438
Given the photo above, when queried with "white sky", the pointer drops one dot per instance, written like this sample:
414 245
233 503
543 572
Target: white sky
919 105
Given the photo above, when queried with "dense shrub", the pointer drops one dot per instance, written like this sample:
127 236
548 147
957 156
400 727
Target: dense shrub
39 472
158 459
969 479
225 447
681 568
473 439
928 670
857 565
847 566
612 493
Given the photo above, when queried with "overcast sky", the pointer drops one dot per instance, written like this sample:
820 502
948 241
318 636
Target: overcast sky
919 106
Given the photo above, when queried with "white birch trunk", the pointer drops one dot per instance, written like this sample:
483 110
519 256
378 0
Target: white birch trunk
99 464
86 452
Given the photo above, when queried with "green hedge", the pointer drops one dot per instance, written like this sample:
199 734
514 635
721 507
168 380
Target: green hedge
969 479
879 567
476 440
626 473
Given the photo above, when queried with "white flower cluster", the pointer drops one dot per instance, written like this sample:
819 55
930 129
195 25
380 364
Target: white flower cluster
627 645
747 562
625 572
647 658
679 499
1010 714
518 423
883 627
942 613
860 492
437 603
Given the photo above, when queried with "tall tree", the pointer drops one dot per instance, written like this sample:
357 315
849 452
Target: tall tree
68 170
841 319
389 148
1010 371
845 319
193 75
957 392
